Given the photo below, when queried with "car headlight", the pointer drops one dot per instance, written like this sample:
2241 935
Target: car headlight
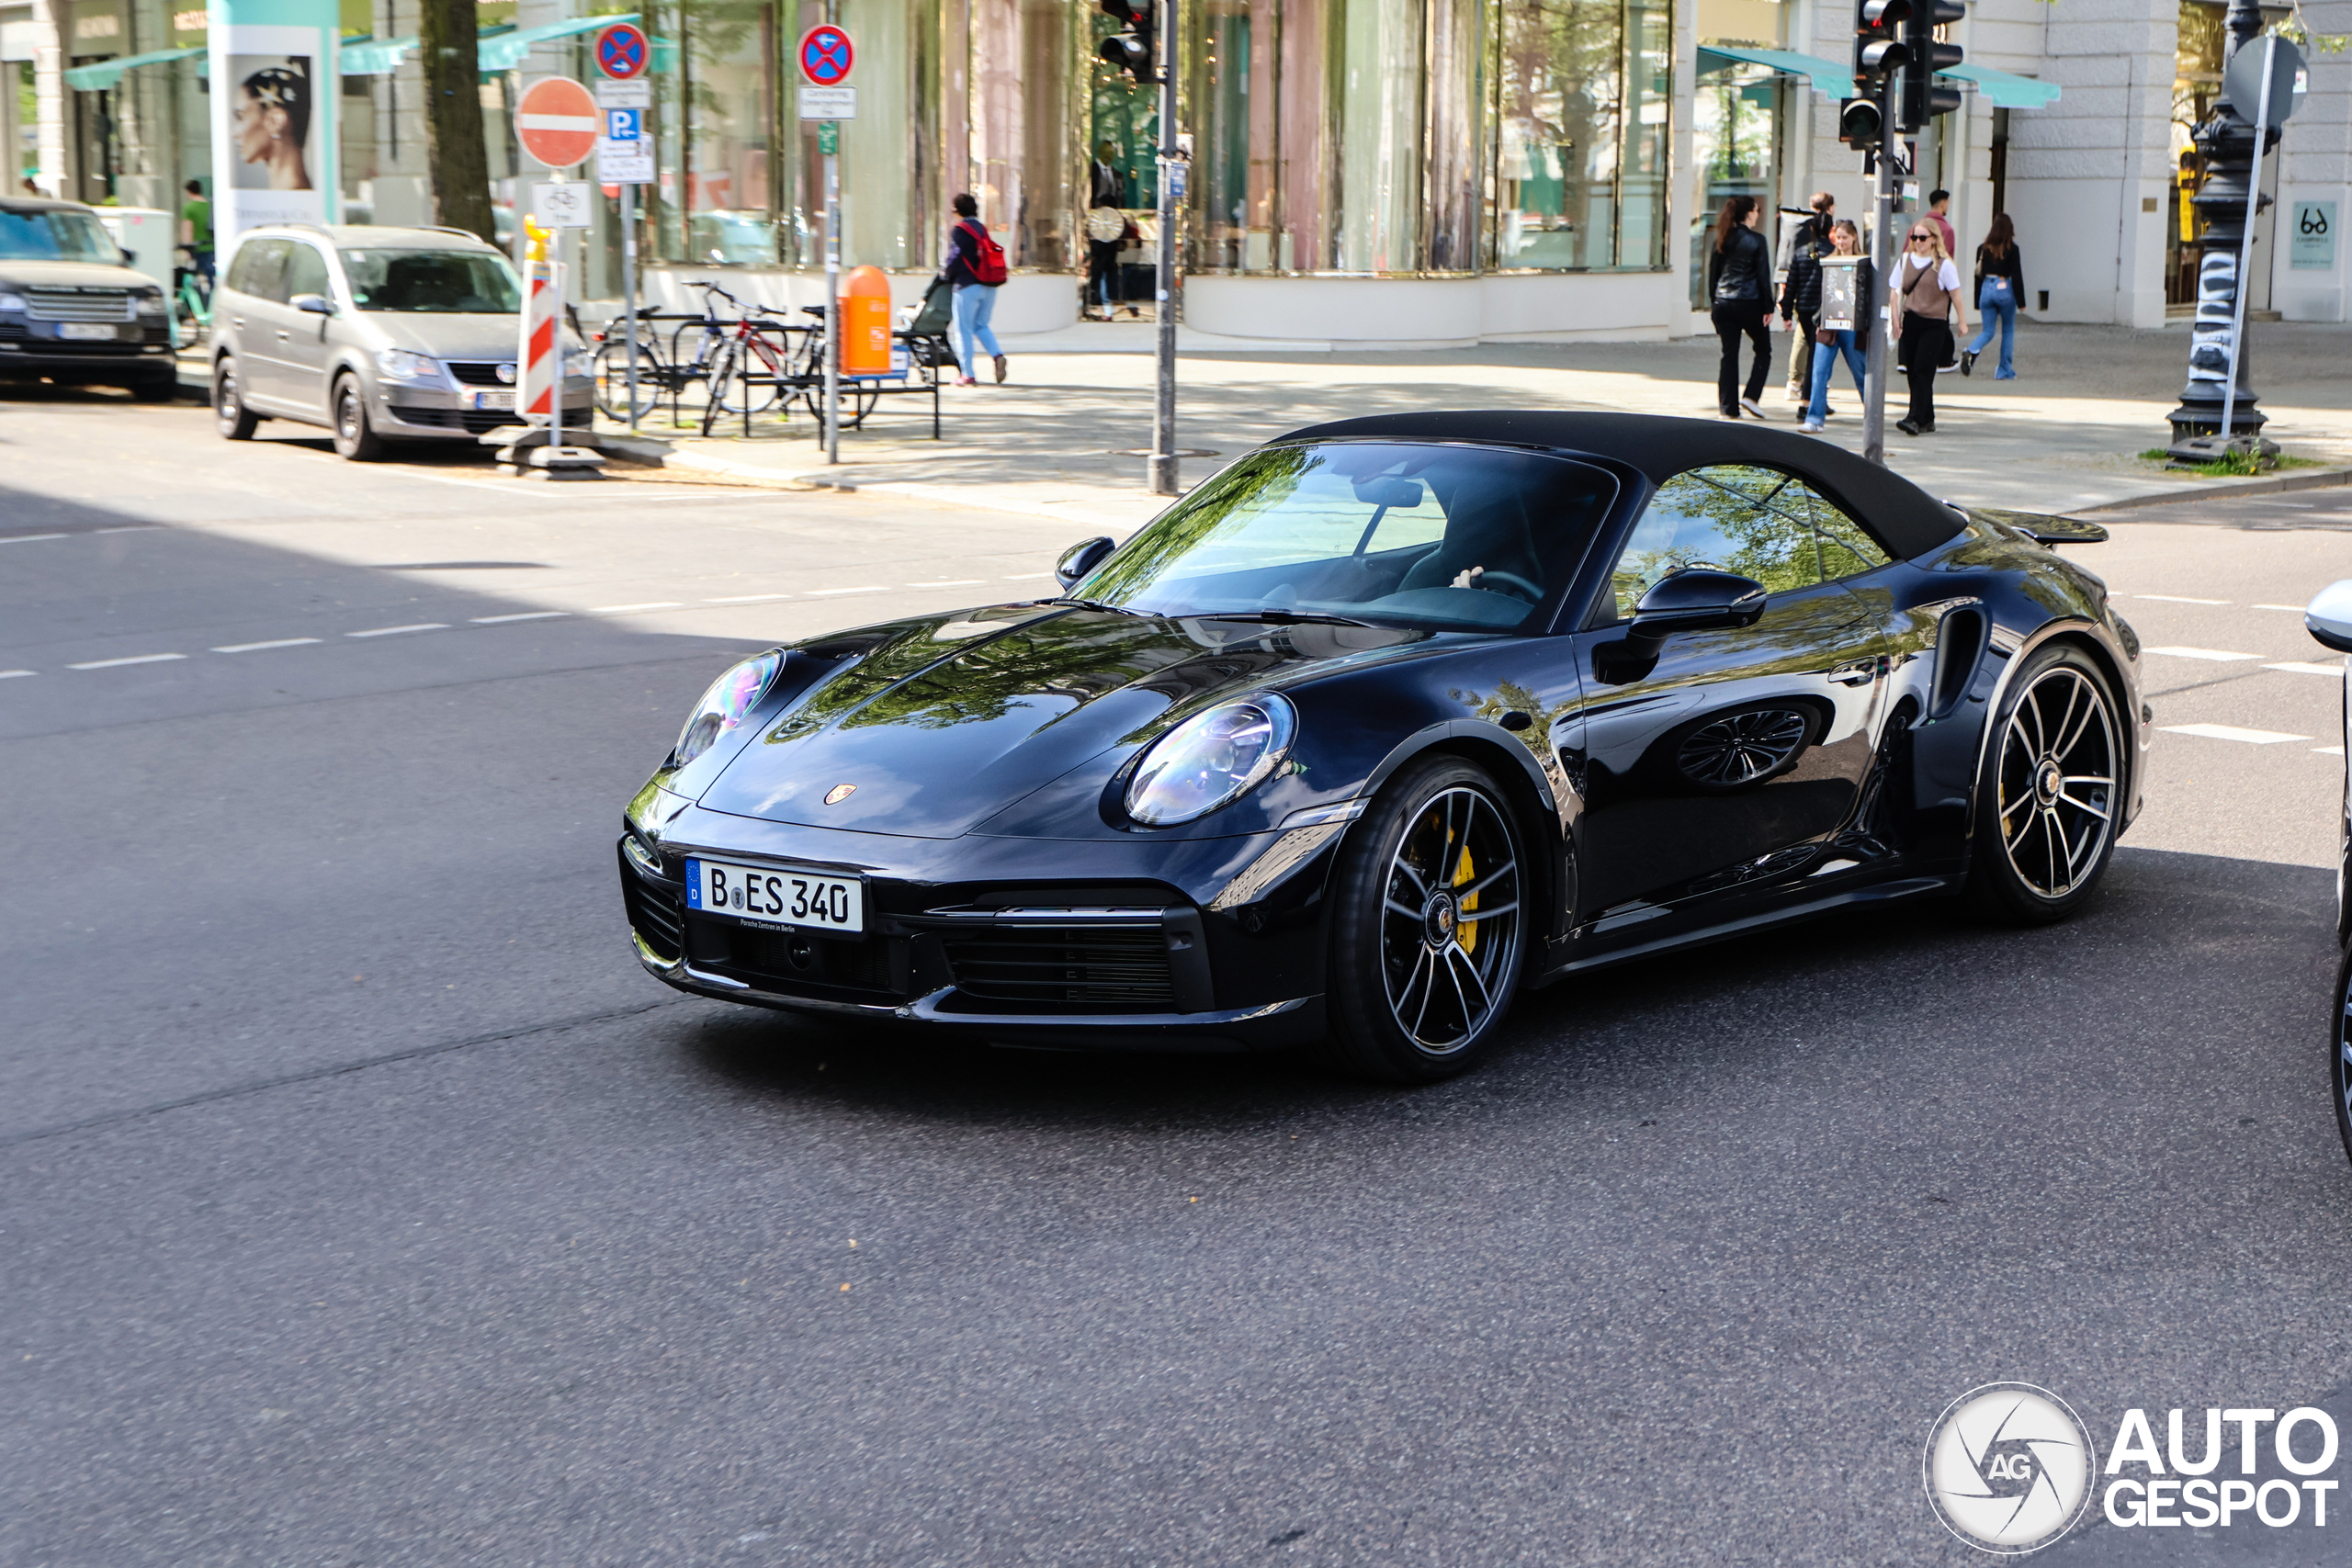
729 702
402 365
151 302
579 362
12 302
1211 760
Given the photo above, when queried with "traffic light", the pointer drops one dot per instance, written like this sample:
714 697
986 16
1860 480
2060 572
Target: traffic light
1859 125
1878 42
1923 96
1131 51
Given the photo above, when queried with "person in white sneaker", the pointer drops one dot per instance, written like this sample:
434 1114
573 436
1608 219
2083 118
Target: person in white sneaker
1739 281
1832 344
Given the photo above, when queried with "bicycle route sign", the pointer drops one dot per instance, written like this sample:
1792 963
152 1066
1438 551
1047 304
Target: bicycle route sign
558 122
622 52
826 56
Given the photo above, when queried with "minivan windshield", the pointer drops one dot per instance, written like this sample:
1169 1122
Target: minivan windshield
1444 538
55 235
445 283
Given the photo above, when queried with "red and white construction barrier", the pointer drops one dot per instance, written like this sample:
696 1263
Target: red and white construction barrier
538 365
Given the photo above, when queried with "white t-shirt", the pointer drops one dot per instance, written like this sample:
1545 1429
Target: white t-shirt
1948 273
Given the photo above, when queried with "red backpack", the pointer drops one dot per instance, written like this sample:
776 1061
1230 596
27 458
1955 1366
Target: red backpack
987 260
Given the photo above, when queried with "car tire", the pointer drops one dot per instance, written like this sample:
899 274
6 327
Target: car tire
2050 790
156 388
230 416
1414 997
355 440
2339 1052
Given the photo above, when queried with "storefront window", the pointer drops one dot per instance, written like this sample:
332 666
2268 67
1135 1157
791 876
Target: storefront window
1734 120
1578 182
1027 168
2195 88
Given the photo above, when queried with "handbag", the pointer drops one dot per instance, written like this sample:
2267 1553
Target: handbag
1826 336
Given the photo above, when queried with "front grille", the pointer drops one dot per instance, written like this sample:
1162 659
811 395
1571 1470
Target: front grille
1064 966
795 962
474 422
78 304
658 914
479 373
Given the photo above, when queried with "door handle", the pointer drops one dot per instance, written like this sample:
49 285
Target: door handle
1856 673
284 336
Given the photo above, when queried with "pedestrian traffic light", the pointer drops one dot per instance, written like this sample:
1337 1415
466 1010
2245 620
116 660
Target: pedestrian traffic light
1923 96
1878 42
1859 125
1131 50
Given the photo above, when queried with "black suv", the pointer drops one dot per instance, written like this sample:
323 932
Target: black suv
71 310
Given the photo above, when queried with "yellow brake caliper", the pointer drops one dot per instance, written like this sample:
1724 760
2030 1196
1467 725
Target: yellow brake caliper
1468 932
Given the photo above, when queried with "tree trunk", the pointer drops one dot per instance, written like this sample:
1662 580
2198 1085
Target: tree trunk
454 149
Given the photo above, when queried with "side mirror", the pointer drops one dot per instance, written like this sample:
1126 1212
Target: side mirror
1080 559
128 259
2329 617
315 304
1697 599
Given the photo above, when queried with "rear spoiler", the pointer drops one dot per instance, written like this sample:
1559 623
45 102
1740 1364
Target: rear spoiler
2039 527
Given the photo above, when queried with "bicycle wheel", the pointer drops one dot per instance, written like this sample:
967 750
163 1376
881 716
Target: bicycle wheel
749 382
611 380
858 399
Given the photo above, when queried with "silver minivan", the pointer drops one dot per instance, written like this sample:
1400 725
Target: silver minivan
379 334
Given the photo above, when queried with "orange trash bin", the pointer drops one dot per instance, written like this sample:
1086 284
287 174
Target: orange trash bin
865 314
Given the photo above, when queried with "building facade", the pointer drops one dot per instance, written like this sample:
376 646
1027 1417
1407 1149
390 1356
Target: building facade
1362 173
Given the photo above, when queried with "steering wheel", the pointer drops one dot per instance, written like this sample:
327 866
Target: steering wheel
1512 581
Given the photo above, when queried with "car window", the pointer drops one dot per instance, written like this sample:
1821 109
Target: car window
1846 550
306 272
54 235
260 268
457 283
1755 522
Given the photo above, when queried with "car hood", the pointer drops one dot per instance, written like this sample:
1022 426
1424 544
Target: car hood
70 274
939 724
449 337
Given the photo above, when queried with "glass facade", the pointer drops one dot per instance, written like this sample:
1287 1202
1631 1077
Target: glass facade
1580 121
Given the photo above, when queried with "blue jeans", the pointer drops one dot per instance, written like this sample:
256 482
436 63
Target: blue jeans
975 303
1825 360
1996 304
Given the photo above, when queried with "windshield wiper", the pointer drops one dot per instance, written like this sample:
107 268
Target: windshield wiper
1097 605
1286 617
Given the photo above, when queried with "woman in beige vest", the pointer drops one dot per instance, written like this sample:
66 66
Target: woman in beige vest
1926 297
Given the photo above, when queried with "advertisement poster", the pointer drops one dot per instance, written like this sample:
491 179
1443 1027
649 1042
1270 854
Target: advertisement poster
273 98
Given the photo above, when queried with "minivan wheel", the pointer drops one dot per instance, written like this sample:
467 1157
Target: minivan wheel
355 438
229 415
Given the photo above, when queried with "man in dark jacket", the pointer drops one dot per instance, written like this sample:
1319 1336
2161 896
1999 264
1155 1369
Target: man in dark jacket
1801 292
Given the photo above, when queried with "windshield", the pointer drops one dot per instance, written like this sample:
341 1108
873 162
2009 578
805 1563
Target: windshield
55 236
1454 538
445 283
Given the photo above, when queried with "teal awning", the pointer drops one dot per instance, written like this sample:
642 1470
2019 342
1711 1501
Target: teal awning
106 72
373 56
1827 75
505 50
2002 90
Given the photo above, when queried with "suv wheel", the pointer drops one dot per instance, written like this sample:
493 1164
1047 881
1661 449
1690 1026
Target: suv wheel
355 439
156 388
229 415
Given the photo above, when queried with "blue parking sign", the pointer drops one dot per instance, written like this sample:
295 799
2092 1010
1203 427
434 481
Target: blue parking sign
623 124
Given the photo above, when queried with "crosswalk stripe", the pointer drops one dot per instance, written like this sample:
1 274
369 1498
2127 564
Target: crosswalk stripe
2232 732
2219 656
2296 667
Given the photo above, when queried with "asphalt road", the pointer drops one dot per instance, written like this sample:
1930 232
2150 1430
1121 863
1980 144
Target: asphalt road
363 1204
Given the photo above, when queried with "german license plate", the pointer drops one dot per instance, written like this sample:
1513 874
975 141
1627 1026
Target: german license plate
767 895
86 331
496 402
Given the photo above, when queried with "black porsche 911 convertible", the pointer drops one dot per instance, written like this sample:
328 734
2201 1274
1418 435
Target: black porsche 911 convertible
1388 720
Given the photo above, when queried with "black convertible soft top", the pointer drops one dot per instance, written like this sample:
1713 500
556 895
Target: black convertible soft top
1907 520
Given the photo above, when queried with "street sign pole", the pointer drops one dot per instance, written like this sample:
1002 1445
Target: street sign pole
623 52
833 302
628 294
1163 406
827 56
1877 356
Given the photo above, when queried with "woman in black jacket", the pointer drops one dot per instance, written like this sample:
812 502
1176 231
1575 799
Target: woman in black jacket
1739 281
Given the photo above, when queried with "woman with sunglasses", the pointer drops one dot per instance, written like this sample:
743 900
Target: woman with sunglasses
1926 297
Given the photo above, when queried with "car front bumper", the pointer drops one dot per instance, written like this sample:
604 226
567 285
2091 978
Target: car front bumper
138 352
1202 945
423 412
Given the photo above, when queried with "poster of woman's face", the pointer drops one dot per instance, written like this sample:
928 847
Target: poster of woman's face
269 113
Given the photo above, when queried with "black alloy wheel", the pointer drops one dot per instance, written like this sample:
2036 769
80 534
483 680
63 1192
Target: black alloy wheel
1427 939
2339 1054
2052 791
356 439
230 416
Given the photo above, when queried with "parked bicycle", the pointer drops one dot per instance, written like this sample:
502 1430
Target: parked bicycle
191 305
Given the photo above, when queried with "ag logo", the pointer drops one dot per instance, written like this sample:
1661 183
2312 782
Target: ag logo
2008 1467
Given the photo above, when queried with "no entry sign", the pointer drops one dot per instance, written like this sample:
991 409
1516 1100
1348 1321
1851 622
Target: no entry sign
558 122
826 55
622 51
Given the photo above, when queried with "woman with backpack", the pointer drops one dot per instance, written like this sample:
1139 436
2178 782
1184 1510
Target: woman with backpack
976 271
2000 284
1739 281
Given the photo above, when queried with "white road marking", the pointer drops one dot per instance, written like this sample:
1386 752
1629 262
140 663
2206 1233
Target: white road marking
632 609
2232 732
2327 751
828 593
2218 655
1027 576
951 582
112 663
12 674
395 631
2334 671
747 599
129 528
257 647
2175 599
29 538
525 615
2290 609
